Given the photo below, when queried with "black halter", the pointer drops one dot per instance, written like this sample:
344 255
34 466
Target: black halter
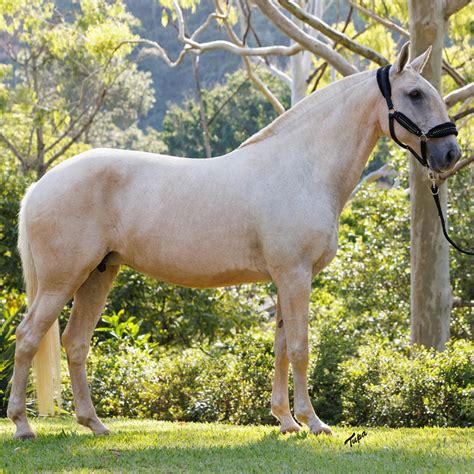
441 130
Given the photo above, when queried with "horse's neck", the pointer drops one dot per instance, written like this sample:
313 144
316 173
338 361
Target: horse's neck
335 133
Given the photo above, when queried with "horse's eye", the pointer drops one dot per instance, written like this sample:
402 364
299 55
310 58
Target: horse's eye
414 94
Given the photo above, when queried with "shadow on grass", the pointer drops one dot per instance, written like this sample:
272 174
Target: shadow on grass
219 448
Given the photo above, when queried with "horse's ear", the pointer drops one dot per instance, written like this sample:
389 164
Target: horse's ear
419 63
402 58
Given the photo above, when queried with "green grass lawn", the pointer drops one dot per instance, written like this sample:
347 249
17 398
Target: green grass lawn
191 447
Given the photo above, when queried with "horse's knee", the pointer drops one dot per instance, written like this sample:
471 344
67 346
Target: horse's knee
281 353
298 355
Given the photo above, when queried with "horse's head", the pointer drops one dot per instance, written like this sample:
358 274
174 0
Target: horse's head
415 97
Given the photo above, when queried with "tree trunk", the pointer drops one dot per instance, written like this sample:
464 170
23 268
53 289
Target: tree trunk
431 297
300 63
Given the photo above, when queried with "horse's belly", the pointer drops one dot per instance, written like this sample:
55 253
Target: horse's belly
203 279
199 263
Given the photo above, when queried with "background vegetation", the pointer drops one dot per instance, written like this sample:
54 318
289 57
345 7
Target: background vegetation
180 354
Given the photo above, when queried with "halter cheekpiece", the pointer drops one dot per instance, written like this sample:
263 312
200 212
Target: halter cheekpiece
441 130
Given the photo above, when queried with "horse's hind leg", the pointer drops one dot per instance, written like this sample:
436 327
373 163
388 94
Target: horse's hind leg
89 301
40 317
280 401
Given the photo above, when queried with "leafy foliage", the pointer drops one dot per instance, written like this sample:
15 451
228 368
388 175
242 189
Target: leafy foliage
235 110
380 385
177 316
186 385
416 387
64 69
12 187
11 308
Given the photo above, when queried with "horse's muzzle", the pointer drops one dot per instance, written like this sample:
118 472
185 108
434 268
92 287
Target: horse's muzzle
443 155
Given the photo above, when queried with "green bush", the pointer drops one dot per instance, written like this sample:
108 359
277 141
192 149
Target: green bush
382 384
178 316
232 382
11 310
415 387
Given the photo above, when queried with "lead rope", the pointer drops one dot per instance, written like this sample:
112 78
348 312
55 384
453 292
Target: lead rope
441 130
435 194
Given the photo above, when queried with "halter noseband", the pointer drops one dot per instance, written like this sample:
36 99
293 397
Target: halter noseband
441 130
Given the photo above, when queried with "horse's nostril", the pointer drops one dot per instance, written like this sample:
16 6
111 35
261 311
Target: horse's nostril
453 155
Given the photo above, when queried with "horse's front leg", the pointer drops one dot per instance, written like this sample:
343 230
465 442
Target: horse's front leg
280 402
294 289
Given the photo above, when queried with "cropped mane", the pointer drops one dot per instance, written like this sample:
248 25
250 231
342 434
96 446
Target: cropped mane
308 104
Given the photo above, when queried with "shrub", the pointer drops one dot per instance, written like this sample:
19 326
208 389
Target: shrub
381 385
178 316
416 387
232 382
11 310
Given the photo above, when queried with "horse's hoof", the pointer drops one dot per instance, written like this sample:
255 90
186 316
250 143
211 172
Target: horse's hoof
322 428
25 435
290 428
104 432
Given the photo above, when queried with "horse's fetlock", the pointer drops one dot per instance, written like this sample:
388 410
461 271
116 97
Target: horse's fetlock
279 409
12 413
302 416
85 420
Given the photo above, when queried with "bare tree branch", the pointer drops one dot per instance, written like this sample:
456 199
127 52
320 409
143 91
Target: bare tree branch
462 114
157 49
382 172
448 69
460 303
246 51
14 150
250 72
332 33
201 48
320 70
313 45
276 72
453 6
387 23
460 81
202 110
458 166
226 101
78 134
459 95
263 88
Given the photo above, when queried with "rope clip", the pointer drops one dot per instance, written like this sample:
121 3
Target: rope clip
434 186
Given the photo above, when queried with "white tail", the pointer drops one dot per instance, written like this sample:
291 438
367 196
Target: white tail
47 361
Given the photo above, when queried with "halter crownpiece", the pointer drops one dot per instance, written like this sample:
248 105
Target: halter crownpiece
441 130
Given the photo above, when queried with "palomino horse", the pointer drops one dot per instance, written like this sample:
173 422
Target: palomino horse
267 211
